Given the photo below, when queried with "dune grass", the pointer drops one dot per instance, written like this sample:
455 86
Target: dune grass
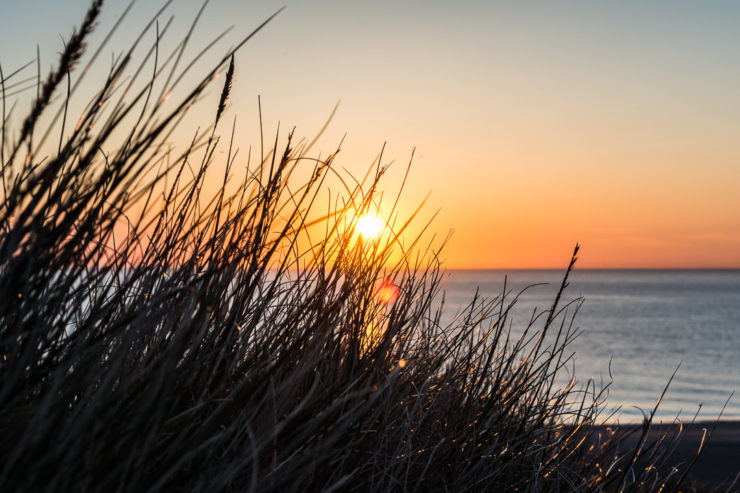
157 335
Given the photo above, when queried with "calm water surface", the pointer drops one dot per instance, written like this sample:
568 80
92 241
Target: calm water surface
647 321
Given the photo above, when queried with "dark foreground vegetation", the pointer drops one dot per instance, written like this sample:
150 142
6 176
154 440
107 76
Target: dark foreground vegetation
157 335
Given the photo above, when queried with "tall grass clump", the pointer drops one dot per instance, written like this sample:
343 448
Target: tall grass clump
161 334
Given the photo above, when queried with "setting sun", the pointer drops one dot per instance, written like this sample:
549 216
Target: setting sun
369 226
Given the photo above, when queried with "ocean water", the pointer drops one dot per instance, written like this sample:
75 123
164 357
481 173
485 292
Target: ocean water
647 322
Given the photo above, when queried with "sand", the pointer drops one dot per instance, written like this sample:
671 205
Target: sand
718 465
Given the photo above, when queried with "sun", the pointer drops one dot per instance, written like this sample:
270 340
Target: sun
369 226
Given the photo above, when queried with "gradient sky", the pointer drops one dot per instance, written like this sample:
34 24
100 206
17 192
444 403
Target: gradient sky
537 124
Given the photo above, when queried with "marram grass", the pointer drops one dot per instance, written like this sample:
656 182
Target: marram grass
160 335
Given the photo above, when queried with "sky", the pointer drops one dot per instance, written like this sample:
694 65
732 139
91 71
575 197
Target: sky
536 124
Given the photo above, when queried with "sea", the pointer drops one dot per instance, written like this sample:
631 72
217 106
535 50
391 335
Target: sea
637 327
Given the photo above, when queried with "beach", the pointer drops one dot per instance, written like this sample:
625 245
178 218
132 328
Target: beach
718 465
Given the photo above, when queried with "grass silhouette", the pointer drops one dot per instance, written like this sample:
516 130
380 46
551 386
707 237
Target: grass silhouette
158 337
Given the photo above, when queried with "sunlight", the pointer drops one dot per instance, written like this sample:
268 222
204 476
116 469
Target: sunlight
369 226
